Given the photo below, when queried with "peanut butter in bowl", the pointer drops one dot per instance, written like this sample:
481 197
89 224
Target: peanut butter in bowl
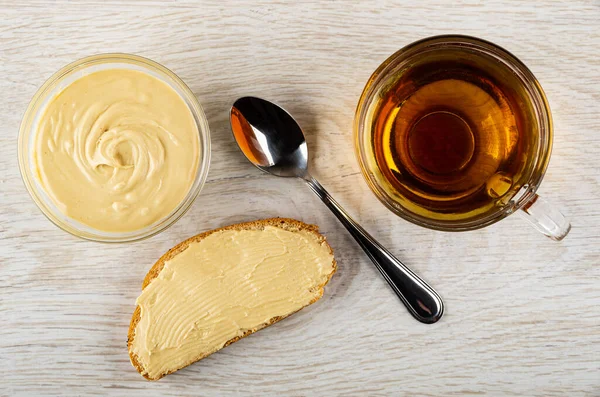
116 152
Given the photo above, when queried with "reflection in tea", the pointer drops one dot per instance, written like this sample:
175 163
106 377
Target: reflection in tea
453 135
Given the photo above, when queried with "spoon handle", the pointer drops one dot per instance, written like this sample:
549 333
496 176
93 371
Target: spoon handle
419 298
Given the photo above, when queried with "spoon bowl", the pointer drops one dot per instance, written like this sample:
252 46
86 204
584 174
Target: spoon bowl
269 137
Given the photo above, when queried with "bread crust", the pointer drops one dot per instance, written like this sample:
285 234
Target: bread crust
282 223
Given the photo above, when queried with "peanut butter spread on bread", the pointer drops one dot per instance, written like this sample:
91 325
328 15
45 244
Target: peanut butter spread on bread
223 286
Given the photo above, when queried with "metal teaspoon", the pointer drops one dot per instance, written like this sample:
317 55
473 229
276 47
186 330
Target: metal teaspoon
273 141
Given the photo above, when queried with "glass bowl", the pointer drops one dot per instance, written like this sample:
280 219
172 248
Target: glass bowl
55 85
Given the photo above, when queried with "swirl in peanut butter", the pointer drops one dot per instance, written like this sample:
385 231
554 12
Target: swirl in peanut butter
117 150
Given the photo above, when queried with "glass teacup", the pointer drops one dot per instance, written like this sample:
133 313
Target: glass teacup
455 133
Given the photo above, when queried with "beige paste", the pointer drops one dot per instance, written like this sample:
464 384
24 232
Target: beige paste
117 150
218 288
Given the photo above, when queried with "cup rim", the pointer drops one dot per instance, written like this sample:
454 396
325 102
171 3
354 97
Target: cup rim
34 108
529 82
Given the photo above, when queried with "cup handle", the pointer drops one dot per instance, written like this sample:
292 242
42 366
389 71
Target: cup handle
546 218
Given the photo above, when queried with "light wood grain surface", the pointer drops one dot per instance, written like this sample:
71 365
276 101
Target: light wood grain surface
522 311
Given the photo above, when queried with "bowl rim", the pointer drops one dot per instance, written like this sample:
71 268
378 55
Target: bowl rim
146 65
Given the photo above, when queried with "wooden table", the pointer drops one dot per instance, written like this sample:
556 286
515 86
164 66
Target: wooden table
522 311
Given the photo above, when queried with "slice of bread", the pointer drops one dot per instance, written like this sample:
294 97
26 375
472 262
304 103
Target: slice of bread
301 276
